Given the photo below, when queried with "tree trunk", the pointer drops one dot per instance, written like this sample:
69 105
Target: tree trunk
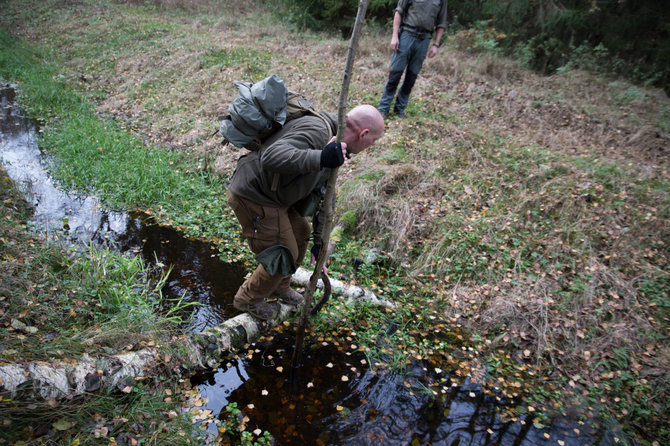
57 380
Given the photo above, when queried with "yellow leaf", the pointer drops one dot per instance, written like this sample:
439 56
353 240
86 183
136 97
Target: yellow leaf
62 425
339 408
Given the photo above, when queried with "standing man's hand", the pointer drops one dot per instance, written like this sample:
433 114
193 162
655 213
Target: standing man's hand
395 42
395 34
435 46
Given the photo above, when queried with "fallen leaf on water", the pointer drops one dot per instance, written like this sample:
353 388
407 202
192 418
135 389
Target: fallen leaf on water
339 408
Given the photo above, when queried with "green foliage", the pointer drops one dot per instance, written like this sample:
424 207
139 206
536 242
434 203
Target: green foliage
139 416
319 15
657 290
65 302
629 39
233 428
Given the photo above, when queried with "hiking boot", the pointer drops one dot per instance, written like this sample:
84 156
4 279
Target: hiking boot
401 114
262 310
290 297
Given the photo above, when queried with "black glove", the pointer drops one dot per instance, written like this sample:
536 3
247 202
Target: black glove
315 251
331 155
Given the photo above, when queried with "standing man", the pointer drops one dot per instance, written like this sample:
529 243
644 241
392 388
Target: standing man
274 189
413 24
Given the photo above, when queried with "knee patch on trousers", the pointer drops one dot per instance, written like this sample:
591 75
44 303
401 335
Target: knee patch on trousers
408 83
393 81
277 260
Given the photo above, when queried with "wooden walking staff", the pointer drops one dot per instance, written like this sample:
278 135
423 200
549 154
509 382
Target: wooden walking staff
329 200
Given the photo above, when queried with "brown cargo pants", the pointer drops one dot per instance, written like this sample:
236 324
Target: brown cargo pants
264 227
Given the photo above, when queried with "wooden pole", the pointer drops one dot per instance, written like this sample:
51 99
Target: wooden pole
329 200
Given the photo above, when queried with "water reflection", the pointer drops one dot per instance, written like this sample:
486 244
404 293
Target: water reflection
55 210
196 273
335 398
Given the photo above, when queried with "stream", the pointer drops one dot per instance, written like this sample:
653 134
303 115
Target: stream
335 397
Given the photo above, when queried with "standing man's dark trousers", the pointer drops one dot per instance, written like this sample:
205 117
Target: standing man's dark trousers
412 51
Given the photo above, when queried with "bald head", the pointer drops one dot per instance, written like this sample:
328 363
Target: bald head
365 125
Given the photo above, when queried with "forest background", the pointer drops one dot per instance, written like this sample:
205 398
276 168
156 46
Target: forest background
622 37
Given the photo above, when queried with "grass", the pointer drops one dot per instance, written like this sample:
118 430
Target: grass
526 215
58 303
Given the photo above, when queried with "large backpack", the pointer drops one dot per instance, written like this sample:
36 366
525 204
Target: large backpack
261 109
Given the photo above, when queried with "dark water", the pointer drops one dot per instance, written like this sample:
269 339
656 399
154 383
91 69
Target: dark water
197 273
313 404
421 405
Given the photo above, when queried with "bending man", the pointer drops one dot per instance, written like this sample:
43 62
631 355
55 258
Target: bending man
273 191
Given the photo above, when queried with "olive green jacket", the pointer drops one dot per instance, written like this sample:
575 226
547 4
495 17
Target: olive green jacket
424 14
291 160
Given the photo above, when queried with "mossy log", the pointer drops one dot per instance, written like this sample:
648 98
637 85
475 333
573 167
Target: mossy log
205 350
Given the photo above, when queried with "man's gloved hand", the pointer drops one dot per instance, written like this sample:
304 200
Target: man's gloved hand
332 156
